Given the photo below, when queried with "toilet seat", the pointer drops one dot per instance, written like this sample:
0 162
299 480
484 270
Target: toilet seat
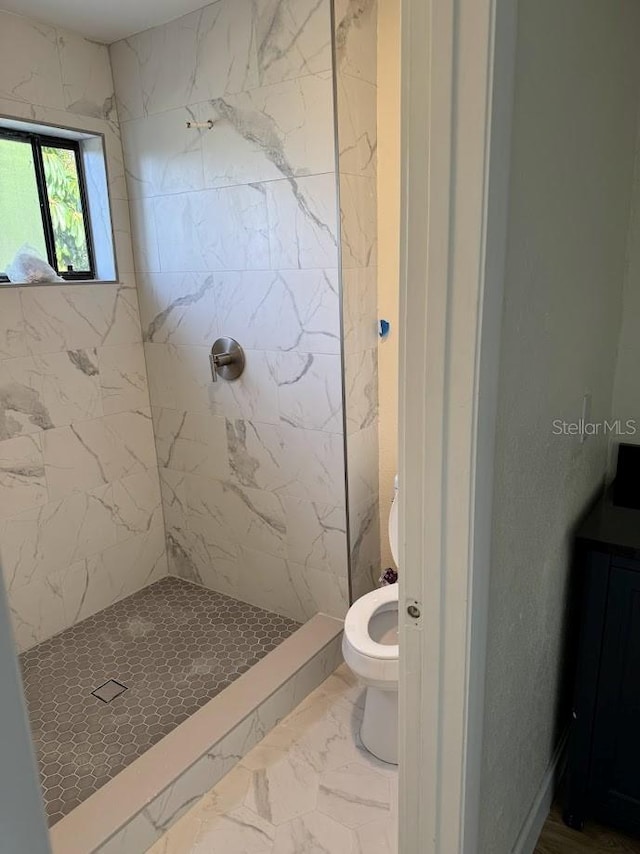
359 616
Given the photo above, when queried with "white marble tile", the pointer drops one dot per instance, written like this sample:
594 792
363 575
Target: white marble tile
238 514
126 77
227 796
86 76
137 505
302 222
189 788
22 480
313 832
356 38
319 592
366 567
354 795
266 580
283 785
173 490
318 672
181 308
253 396
166 59
293 38
42 609
198 830
361 389
226 54
325 727
362 457
360 309
136 835
70 385
118 571
316 535
279 131
123 378
89 453
191 442
314 465
144 233
307 785
179 377
289 310
309 390
377 837
240 830
22 407
293 462
12 341
69 317
30 62
197 553
358 221
163 155
44 540
131 437
122 237
357 123
202 55
218 229
75 457
114 161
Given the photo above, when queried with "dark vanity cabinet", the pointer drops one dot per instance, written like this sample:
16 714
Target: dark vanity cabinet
603 781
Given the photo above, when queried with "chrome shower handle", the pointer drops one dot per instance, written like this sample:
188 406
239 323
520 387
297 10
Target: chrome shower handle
226 359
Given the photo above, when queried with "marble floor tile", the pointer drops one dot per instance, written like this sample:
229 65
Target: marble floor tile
309 787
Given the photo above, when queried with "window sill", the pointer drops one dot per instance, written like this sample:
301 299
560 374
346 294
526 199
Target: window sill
70 282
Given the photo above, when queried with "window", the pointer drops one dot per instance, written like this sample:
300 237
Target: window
43 202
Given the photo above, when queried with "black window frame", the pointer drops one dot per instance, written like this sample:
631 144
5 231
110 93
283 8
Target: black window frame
39 141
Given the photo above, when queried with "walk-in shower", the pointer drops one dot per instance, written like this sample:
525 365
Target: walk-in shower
163 533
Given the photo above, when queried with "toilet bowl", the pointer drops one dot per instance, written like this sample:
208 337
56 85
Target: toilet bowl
370 648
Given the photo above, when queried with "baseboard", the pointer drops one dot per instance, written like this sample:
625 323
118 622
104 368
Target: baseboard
537 815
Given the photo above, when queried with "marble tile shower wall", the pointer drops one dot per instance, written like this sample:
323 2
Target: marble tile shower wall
236 233
356 76
80 511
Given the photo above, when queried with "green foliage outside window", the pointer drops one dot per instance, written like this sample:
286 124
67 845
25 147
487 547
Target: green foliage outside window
66 208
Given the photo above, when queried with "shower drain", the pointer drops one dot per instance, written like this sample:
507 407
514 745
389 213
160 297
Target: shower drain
109 691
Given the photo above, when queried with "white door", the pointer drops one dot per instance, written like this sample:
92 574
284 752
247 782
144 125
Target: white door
457 64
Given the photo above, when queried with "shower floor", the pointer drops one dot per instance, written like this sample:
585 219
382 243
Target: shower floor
173 645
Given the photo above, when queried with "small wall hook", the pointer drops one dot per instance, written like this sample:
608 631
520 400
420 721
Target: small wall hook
384 327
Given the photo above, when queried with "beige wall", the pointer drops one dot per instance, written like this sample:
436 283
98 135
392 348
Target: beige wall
388 251
573 140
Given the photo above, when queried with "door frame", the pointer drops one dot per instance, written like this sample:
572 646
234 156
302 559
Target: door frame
457 93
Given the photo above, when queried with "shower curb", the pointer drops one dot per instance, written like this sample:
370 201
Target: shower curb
134 809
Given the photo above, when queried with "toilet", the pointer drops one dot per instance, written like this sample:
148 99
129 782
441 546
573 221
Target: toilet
370 648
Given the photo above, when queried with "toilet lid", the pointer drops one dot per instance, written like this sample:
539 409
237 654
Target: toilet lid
393 528
356 624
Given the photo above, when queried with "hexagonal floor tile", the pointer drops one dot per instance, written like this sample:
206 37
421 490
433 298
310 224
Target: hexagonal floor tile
174 645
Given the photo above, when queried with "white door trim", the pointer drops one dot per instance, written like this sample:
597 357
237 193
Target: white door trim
456 121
